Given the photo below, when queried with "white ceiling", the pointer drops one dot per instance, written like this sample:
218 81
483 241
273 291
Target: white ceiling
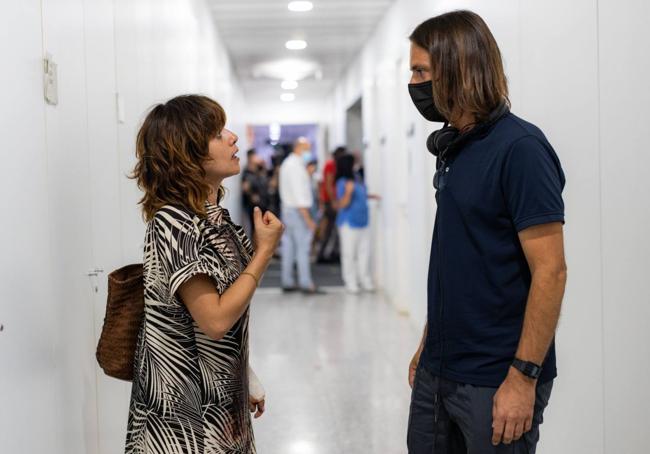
255 32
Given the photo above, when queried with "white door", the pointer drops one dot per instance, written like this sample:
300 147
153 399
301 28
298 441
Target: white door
393 159
105 178
29 421
68 205
404 222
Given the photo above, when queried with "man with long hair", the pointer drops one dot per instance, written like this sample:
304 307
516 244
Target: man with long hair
484 370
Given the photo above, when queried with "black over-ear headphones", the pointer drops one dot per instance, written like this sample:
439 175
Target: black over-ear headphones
443 142
438 141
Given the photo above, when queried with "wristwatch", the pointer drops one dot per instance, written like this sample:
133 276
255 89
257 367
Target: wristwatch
527 368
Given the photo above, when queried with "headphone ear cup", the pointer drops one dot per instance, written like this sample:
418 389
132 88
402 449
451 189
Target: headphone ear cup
431 143
438 141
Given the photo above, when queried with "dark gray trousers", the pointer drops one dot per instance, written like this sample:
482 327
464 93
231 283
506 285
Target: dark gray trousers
454 418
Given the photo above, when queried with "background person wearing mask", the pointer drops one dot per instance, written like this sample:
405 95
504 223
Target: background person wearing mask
297 199
484 370
352 222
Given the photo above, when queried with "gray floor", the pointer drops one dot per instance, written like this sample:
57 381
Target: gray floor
325 275
334 368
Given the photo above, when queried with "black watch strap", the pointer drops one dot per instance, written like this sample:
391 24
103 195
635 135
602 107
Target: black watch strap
527 368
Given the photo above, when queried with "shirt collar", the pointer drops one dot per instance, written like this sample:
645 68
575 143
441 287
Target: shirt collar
217 215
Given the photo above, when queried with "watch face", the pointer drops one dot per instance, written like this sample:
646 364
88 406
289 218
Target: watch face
527 368
531 369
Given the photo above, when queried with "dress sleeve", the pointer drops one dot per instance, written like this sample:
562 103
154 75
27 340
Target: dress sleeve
532 184
179 248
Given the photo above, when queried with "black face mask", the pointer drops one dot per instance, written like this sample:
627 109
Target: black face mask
422 97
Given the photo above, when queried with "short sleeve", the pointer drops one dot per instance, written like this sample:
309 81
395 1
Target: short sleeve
532 183
340 188
178 242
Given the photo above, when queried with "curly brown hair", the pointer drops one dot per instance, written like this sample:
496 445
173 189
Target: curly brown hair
171 146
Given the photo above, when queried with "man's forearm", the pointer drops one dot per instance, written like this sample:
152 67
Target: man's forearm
424 337
542 314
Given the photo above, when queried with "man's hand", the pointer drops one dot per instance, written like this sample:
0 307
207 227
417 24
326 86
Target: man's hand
512 412
306 216
413 366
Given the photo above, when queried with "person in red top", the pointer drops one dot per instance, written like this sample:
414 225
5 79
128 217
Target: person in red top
328 250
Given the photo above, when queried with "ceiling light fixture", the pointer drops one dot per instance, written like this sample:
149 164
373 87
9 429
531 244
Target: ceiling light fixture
289 84
300 7
296 44
285 69
287 97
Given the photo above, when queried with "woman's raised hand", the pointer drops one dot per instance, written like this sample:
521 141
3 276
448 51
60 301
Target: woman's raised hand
268 231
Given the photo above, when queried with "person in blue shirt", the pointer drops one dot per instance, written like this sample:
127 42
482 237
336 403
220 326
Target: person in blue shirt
483 373
352 221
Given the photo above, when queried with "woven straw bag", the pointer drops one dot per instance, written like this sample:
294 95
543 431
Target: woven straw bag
124 313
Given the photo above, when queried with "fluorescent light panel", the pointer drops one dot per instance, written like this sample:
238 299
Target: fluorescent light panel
289 84
300 7
296 44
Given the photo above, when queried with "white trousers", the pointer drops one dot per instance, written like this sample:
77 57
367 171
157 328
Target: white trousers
355 258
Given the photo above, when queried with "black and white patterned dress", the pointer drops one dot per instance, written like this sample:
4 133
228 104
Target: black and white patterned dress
190 393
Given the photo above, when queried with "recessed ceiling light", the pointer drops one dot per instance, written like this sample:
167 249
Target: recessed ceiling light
285 69
289 84
300 7
296 44
287 97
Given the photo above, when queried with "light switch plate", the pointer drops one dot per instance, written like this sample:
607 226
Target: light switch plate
50 82
119 103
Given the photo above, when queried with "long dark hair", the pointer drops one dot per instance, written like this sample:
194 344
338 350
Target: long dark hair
171 146
466 66
345 167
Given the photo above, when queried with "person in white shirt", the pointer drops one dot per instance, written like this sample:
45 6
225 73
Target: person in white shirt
297 199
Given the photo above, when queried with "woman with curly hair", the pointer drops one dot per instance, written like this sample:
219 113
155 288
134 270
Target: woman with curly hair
190 388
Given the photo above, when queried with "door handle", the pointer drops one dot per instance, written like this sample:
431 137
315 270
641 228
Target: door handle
95 272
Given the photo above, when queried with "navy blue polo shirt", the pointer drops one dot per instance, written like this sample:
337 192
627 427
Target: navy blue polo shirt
502 182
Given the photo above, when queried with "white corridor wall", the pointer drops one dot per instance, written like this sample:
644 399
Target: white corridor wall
68 206
579 70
